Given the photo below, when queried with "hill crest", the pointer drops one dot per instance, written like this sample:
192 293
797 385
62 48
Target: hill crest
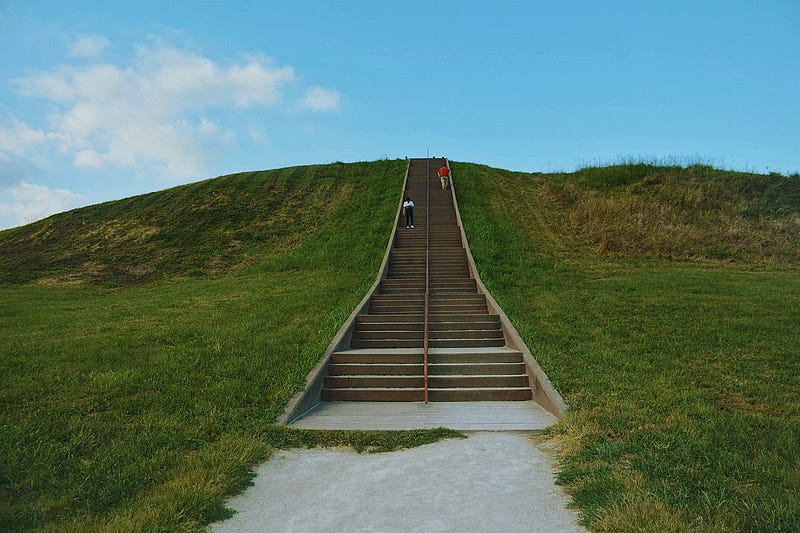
232 222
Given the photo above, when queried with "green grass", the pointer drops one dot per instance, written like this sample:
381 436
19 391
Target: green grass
210 227
681 375
149 344
137 400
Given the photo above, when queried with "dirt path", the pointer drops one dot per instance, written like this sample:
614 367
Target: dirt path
487 482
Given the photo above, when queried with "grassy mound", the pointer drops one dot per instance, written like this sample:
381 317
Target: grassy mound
643 211
149 344
211 227
681 375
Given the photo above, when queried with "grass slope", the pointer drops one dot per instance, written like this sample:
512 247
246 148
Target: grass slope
681 375
211 227
149 344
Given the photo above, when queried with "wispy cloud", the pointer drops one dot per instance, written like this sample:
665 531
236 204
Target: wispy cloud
320 99
27 202
16 137
88 46
164 115
149 115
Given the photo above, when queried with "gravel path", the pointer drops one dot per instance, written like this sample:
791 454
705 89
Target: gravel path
487 482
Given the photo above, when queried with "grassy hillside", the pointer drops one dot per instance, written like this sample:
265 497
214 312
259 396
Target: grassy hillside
149 344
644 211
210 227
664 304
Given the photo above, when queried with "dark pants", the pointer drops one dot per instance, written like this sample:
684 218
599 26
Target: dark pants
409 216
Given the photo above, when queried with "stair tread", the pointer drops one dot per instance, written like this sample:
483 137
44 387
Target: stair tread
448 389
418 351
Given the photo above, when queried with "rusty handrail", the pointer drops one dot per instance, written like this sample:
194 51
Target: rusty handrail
426 340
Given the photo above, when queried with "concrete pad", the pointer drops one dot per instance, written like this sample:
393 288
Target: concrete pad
462 416
487 482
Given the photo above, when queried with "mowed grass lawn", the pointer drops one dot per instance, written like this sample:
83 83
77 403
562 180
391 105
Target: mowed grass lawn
141 406
683 376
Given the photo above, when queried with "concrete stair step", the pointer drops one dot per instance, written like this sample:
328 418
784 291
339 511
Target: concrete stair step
401 287
362 335
458 308
375 369
458 298
463 283
373 395
394 297
374 382
474 368
388 311
373 332
447 270
392 356
450 309
386 343
449 357
477 381
460 317
443 285
384 326
389 319
414 300
466 343
397 341
465 334
480 394
396 308
438 327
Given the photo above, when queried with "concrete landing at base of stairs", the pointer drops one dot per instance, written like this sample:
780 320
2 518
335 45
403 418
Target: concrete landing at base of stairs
486 482
462 416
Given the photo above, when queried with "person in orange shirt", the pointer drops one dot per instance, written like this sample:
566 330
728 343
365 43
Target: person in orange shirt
444 175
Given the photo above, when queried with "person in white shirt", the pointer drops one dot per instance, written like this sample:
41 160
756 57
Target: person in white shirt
408 209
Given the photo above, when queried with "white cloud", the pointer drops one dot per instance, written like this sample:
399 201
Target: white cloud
145 115
26 202
208 127
256 134
88 46
16 137
320 99
88 159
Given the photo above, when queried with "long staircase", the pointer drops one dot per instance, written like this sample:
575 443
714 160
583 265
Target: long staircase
465 358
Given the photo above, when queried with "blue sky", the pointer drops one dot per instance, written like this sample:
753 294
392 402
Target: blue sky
104 100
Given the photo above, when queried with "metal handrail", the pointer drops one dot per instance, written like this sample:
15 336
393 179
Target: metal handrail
427 277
